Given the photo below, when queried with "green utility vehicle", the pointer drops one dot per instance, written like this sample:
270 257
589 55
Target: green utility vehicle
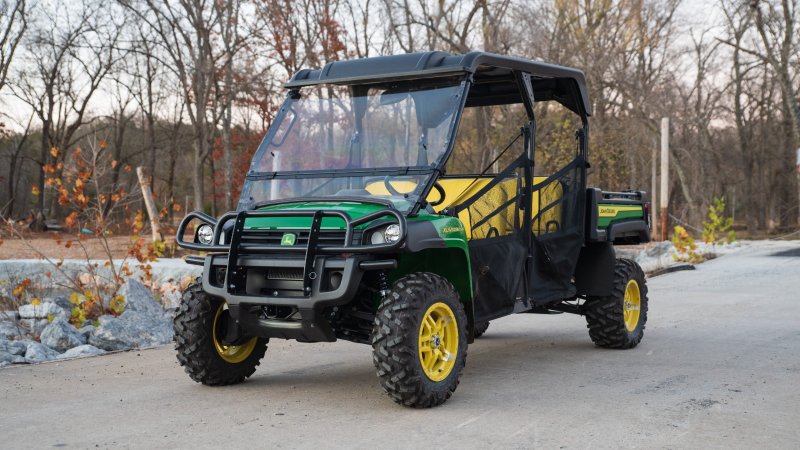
374 211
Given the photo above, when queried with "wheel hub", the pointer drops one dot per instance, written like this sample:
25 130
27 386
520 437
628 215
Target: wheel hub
438 341
631 305
233 354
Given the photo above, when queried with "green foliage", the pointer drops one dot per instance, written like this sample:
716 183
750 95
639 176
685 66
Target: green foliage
717 228
78 316
87 306
685 245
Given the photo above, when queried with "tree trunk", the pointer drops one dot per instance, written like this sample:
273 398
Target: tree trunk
197 172
227 147
43 152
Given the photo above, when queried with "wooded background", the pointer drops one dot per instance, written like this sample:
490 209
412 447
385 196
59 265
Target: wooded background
187 88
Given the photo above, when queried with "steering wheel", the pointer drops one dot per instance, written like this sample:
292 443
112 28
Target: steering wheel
393 191
391 188
440 191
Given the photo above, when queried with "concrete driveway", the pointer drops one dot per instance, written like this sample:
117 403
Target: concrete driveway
719 367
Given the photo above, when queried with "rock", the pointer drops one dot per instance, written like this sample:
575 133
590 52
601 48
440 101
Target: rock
171 294
13 347
43 311
131 330
656 257
61 336
34 327
38 352
661 248
143 323
139 299
9 329
63 302
11 315
80 351
86 331
9 358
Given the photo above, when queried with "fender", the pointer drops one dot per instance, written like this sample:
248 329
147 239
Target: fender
594 273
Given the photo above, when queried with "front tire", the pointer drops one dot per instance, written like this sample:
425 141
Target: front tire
618 320
204 357
419 340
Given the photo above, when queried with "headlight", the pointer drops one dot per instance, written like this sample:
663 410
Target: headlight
390 234
205 234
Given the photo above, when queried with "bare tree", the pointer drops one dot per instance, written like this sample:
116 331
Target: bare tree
777 27
13 24
68 55
232 43
185 34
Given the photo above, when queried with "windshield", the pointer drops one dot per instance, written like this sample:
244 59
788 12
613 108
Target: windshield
379 141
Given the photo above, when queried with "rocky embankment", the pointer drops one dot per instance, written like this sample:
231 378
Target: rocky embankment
42 332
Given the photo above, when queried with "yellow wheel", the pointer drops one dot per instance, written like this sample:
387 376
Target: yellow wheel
233 354
618 319
631 305
438 341
198 326
419 343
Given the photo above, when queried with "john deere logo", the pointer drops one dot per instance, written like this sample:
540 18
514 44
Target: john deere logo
288 239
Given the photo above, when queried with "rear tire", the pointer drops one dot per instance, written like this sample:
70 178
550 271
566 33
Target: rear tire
203 357
480 328
618 320
419 340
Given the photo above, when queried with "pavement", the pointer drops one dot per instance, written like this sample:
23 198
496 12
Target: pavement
719 367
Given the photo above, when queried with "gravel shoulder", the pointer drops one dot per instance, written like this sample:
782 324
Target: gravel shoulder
718 368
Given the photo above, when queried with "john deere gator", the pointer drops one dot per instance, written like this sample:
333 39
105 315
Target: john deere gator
376 211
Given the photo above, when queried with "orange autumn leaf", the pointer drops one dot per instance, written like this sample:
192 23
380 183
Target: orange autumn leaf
54 152
71 219
20 289
35 190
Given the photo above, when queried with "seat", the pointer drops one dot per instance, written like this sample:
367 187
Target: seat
549 221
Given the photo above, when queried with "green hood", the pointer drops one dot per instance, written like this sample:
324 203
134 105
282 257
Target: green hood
353 209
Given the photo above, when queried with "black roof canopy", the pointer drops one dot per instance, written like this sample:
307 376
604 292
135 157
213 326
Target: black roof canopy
492 73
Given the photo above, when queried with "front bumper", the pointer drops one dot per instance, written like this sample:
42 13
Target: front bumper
284 291
249 304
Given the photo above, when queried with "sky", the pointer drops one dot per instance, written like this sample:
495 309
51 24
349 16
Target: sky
700 15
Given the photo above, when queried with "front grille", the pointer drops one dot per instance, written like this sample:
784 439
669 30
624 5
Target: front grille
274 237
283 273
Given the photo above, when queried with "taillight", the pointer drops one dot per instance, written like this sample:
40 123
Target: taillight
647 214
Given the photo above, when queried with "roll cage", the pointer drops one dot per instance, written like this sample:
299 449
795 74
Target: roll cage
486 79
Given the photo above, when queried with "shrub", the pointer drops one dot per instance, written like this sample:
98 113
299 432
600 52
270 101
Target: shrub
685 246
96 193
717 228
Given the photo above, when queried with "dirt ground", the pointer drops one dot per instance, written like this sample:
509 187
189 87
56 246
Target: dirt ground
14 248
